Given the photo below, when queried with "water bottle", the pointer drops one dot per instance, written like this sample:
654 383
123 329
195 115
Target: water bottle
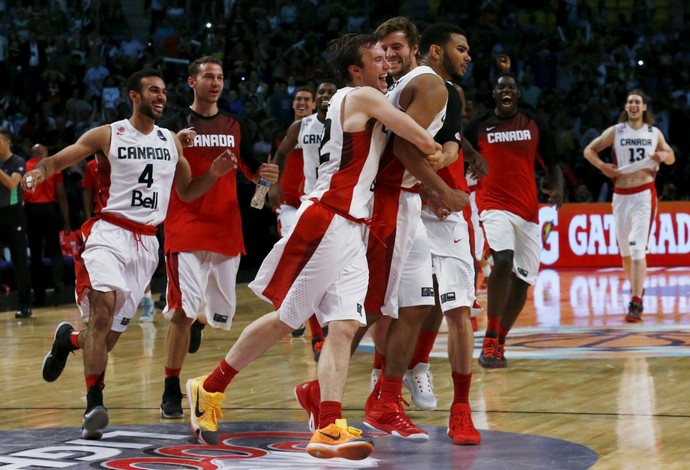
259 197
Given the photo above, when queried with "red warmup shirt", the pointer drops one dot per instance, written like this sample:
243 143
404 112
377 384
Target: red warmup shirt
211 222
292 180
44 192
510 146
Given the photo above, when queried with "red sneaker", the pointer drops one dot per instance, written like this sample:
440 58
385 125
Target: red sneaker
460 426
487 358
308 396
390 417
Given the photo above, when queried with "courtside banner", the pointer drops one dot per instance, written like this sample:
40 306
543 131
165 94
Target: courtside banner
584 235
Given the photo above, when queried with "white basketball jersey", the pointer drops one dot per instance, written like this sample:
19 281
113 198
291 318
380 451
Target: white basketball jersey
394 94
350 162
310 132
634 148
141 172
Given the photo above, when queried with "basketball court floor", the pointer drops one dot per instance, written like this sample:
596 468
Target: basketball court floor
582 389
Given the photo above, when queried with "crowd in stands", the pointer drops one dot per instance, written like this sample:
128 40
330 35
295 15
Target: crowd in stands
64 65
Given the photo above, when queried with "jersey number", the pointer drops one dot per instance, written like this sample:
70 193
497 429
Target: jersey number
324 157
639 152
146 176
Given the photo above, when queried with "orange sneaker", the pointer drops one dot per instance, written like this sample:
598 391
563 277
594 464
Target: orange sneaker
460 426
339 440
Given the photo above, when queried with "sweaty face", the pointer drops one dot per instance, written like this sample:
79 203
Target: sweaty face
208 83
506 95
303 104
635 106
153 97
398 52
456 57
375 68
324 93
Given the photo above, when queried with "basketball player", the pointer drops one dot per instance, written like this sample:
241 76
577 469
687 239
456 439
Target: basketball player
510 140
638 149
303 139
203 238
141 164
326 249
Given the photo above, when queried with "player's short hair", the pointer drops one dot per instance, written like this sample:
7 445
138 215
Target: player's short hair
134 81
347 50
194 67
308 89
399 23
507 75
439 34
321 81
6 133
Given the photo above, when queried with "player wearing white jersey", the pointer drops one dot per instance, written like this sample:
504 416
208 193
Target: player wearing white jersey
140 165
321 266
639 148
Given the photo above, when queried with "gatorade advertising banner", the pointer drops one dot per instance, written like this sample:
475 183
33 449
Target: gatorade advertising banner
584 235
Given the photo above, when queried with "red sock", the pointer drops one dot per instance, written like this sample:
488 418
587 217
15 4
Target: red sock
425 343
461 387
491 326
379 360
637 300
502 333
74 339
220 378
94 379
172 372
330 411
390 388
315 327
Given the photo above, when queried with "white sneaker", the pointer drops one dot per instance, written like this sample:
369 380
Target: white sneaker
375 373
148 310
419 382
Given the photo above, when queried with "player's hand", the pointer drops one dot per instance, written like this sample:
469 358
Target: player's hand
477 167
187 137
436 159
555 197
269 172
435 205
610 170
454 200
223 164
503 62
31 179
275 195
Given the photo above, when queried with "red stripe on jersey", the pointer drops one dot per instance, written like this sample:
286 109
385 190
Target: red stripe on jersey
103 185
172 267
299 249
355 152
454 174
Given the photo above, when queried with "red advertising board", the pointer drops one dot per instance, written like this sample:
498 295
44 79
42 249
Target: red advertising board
584 235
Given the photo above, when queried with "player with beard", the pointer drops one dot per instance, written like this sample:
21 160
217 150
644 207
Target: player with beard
203 238
140 164
639 148
511 140
303 137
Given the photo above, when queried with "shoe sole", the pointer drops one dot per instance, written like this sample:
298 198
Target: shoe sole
207 437
358 450
45 359
633 320
165 415
311 421
95 421
417 438
467 441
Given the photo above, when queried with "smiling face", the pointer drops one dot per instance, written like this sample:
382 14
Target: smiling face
399 54
506 95
324 93
635 107
303 104
374 70
152 99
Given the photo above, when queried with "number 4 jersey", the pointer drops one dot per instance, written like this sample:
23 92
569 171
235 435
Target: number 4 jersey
633 148
136 182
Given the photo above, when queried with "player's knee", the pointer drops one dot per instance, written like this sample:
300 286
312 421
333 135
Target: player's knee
503 258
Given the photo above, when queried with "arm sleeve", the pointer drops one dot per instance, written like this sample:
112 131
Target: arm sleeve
452 126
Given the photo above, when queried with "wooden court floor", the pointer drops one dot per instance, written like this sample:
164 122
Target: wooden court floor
575 372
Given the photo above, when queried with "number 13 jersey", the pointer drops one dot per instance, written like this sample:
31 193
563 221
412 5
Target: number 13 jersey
136 180
633 148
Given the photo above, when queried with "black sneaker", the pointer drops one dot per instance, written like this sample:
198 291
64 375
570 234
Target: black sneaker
96 415
55 360
24 312
195 335
171 403
634 313
299 332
